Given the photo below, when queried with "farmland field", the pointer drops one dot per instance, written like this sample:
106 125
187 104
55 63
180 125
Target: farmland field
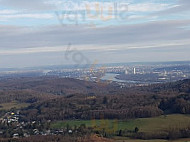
130 140
144 124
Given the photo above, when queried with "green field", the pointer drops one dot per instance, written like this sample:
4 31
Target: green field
130 140
144 124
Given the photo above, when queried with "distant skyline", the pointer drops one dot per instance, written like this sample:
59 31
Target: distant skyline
60 32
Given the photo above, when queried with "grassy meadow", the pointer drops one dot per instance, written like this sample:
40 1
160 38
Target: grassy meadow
144 124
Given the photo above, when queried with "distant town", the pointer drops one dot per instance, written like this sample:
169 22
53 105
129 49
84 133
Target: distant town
124 74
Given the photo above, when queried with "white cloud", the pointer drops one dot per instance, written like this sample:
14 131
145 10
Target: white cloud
27 15
82 48
180 6
80 35
7 11
148 7
32 5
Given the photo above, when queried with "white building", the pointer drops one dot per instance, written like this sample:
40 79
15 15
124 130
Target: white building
134 71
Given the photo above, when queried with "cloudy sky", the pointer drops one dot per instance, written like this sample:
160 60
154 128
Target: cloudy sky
58 32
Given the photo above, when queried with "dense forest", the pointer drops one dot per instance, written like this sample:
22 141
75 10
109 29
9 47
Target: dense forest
63 98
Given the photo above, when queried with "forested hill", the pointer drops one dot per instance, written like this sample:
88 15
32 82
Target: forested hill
68 86
57 86
182 86
63 98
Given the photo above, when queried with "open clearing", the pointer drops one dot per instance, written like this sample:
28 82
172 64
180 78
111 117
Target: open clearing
144 124
8 106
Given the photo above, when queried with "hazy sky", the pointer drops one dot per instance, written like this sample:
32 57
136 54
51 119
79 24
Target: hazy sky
55 32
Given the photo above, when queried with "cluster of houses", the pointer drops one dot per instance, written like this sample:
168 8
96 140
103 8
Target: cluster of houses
25 129
10 117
